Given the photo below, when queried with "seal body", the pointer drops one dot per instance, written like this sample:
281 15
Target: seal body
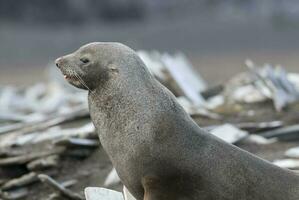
158 151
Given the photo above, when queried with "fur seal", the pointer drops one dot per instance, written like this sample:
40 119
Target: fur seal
158 151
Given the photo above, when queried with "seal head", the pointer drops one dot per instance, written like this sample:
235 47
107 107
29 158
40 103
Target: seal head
91 65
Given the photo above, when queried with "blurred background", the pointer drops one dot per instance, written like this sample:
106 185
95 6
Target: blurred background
216 35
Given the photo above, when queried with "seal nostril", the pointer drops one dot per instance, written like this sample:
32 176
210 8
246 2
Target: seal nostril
57 61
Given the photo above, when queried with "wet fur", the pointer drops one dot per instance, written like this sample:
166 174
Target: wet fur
159 152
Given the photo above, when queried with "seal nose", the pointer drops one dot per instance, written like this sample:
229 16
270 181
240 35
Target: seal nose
58 62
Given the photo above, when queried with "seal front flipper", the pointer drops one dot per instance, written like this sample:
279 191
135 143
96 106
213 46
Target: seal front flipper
155 189
167 188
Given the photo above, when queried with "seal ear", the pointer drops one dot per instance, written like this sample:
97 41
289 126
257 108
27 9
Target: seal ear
112 68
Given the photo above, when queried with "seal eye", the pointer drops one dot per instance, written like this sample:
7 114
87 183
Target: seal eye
84 60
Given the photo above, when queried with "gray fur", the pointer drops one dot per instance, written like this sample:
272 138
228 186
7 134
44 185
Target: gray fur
159 152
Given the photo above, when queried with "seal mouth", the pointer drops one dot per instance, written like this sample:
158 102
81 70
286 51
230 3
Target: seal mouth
67 77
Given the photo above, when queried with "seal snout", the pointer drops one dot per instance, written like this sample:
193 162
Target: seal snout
58 62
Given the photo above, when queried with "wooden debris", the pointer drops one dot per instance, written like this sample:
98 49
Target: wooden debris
19 160
285 133
54 196
176 73
78 152
77 142
95 193
10 117
259 126
8 152
248 94
69 183
257 139
294 78
43 163
10 127
283 91
153 62
195 110
21 181
287 163
68 194
229 133
79 112
292 152
186 78
212 91
214 102
53 133
15 194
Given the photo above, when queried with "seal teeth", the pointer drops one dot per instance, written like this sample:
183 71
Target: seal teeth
65 76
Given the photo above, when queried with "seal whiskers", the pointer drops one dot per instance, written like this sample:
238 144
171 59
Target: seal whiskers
81 80
72 72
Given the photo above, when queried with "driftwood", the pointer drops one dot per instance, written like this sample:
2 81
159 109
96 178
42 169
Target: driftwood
191 84
42 163
69 183
285 133
52 121
78 152
11 127
19 160
7 152
282 90
287 163
21 181
68 194
229 133
56 196
20 193
259 126
77 142
52 134
292 152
